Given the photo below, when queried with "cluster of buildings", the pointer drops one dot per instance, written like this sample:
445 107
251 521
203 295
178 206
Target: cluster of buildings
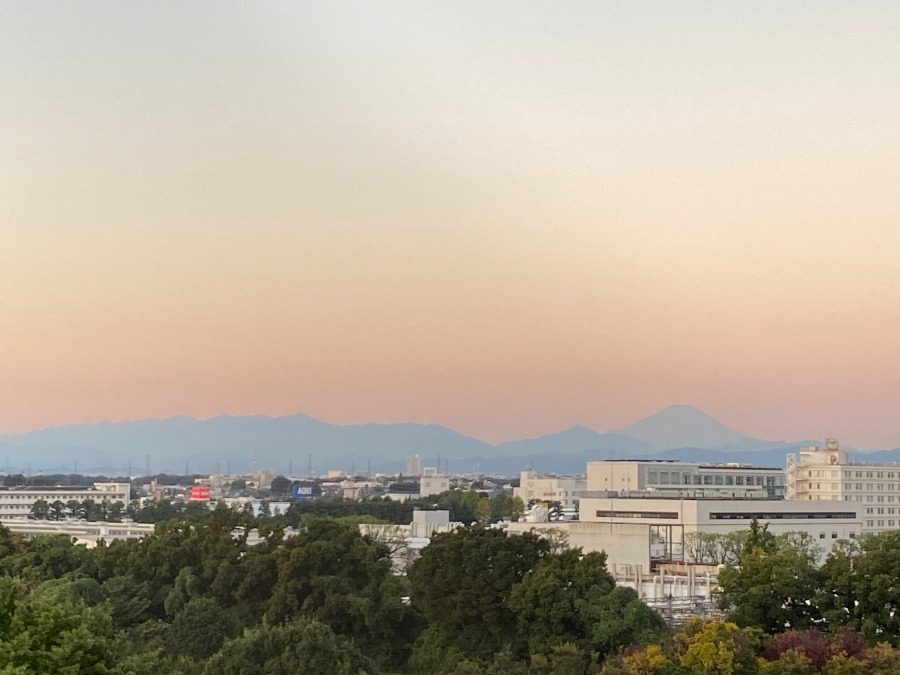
648 515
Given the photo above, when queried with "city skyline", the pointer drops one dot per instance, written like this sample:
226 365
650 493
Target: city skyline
505 219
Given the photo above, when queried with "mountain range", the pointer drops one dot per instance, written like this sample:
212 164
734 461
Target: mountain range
290 443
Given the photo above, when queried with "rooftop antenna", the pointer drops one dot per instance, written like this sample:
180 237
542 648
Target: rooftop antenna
309 465
290 468
254 462
228 466
369 470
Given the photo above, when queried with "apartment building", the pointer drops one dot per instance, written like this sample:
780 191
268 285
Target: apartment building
827 474
18 502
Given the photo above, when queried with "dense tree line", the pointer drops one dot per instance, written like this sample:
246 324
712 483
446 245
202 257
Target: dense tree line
195 597
86 509
465 506
56 480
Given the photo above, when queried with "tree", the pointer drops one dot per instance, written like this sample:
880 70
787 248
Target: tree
331 573
11 546
860 589
57 510
815 646
50 631
483 511
198 630
772 585
40 510
714 648
281 486
300 647
481 566
570 598
617 618
115 512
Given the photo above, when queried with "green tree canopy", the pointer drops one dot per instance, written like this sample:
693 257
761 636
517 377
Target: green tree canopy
299 647
771 586
463 581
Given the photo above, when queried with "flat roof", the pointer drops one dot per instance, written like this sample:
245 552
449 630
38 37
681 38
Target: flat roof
702 465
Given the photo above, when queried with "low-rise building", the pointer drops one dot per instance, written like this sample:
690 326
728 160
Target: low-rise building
82 532
432 483
648 530
534 487
17 503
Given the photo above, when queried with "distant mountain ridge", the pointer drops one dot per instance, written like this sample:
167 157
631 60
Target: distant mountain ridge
289 442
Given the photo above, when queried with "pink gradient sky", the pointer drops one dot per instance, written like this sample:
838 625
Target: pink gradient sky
506 219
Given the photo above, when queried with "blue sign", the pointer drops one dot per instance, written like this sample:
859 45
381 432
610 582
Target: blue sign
305 491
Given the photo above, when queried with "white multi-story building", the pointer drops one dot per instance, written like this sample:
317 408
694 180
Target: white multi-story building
432 483
83 533
642 532
547 488
18 502
732 480
650 530
413 466
827 474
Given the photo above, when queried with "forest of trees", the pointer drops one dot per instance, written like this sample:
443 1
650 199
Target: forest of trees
194 597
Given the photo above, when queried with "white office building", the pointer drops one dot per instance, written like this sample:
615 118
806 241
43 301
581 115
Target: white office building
725 480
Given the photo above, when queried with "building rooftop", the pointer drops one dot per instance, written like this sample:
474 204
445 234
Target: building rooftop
684 495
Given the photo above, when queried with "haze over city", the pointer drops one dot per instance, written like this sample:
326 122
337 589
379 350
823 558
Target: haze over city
505 218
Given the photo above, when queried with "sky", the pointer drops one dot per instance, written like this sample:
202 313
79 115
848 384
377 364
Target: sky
505 217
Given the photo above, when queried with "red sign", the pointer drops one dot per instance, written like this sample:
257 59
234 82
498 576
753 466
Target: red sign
199 493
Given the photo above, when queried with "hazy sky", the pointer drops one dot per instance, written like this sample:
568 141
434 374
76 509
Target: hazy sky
504 217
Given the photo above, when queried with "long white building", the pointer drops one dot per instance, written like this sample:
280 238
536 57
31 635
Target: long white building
732 480
827 474
18 502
